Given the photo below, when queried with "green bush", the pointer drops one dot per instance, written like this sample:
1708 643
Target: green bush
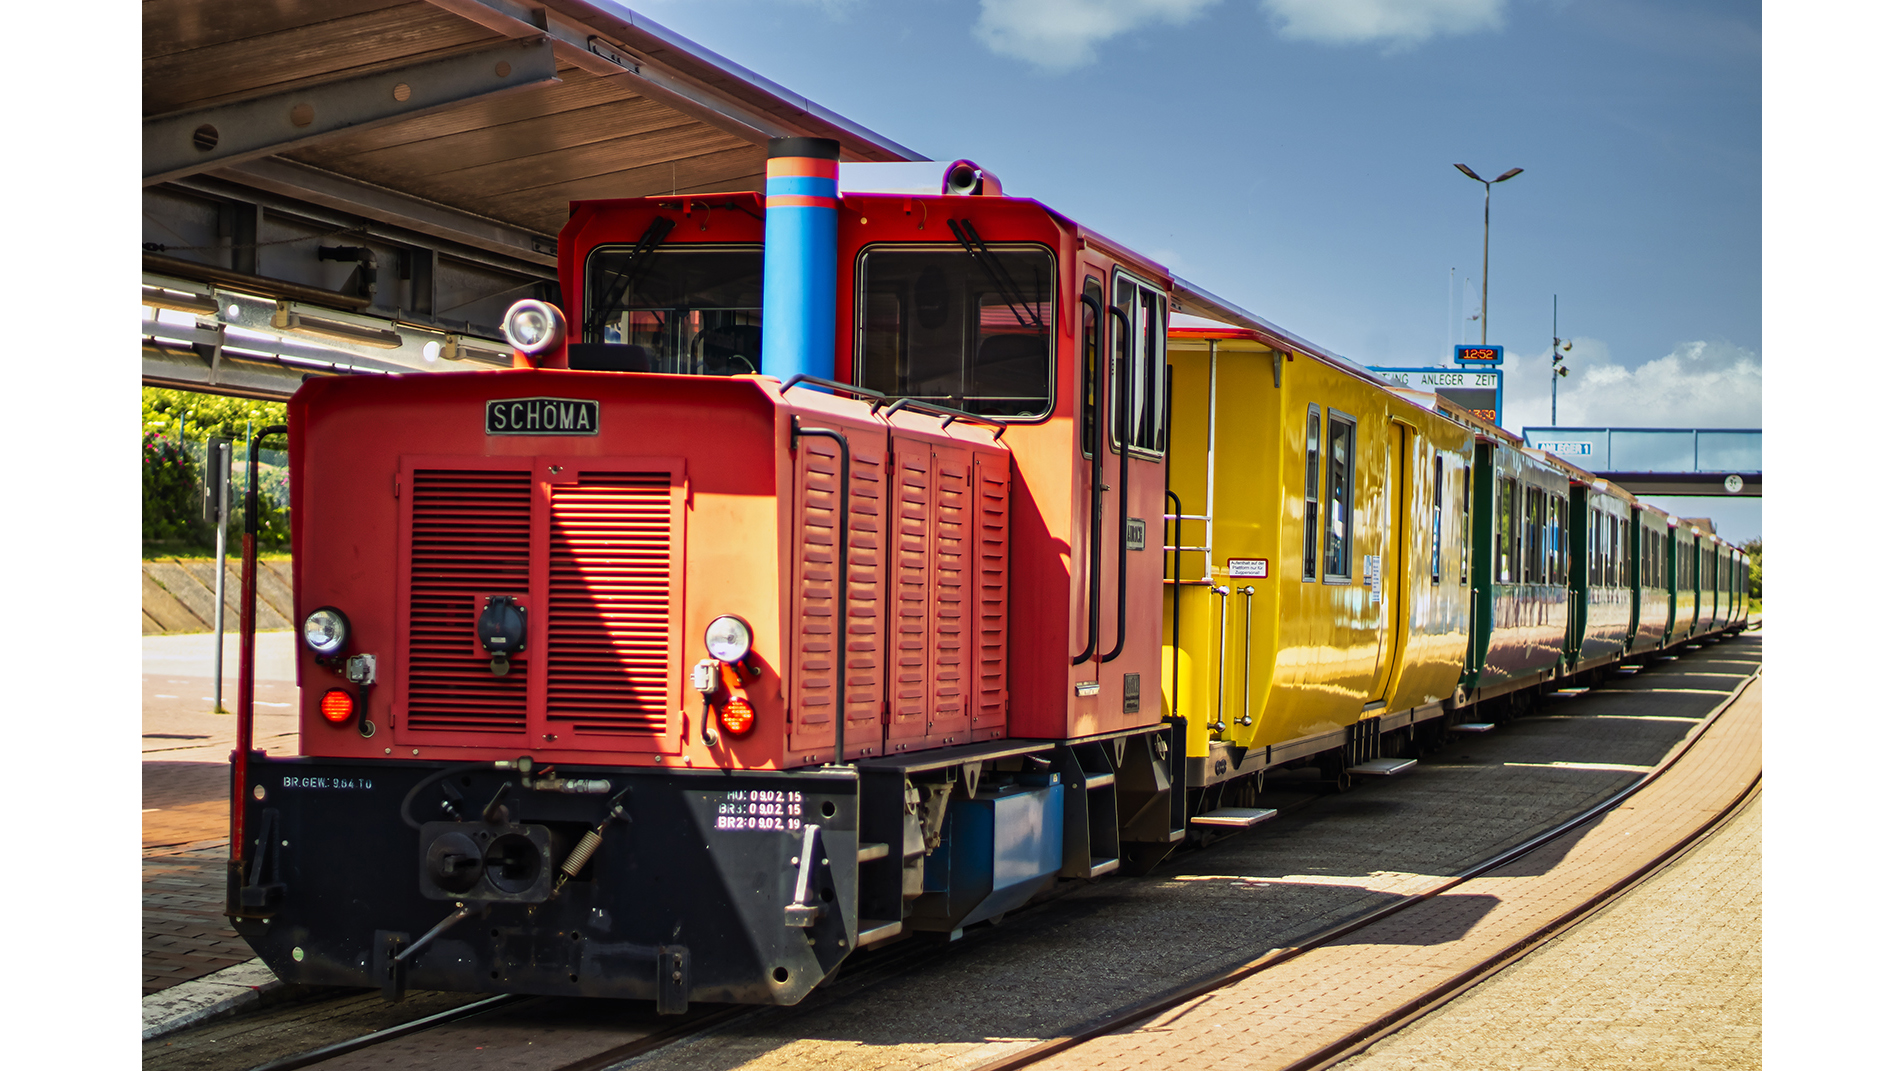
1755 550
171 510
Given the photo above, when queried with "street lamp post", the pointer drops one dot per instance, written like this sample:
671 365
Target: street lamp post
1486 205
1560 345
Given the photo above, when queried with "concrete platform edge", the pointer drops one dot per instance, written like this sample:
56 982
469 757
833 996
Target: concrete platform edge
218 994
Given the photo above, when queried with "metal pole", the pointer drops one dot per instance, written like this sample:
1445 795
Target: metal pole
222 466
1487 201
247 674
1209 474
1553 372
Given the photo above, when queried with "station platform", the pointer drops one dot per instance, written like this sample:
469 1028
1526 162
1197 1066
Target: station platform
1524 1015
185 795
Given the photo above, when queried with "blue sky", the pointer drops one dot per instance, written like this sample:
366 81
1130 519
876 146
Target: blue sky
1296 156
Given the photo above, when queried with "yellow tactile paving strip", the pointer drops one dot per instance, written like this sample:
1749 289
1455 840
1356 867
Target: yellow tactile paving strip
1285 1012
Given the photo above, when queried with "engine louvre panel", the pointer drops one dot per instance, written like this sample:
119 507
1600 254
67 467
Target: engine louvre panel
469 535
595 559
610 562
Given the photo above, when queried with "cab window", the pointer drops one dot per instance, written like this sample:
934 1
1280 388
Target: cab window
1138 342
967 330
686 310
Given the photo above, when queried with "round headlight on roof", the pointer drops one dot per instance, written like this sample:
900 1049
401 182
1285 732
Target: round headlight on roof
533 326
729 638
326 629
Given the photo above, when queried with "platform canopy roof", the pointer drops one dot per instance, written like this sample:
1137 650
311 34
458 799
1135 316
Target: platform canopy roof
362 186
492 109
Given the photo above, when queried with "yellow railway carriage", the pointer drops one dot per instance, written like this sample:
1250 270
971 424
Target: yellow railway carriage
1317 562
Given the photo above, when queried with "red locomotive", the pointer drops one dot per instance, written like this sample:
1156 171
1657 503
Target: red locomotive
635 672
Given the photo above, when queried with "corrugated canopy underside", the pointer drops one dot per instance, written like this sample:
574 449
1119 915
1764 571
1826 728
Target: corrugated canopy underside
684 122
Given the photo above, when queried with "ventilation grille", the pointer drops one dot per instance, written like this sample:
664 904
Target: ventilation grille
994 507
469 537
608 606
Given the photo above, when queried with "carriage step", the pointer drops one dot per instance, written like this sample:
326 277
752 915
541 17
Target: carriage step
1101 867
1099 780
1382 767
870 852
1235 817
1472 727
877 930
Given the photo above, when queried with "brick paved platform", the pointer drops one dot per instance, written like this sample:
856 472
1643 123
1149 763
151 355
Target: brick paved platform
186 935
185 797
1668 976
1279 1015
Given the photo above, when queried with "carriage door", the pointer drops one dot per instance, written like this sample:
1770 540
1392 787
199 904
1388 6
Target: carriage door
1385 573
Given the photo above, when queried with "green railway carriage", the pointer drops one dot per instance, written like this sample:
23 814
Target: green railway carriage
1682 564
1519 634
1741 588
1602 587
1650 550
1708 583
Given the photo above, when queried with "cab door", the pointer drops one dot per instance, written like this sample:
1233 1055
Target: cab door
1128 438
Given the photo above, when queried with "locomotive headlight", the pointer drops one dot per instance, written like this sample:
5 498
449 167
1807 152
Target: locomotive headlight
325 630
533 326
729 638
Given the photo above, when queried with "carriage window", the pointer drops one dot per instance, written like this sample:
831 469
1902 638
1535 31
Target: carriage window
1530 536
1339 532
1434 552
1504 534
1555 511
1560 540
1148 315
1310 480
967 330
680 309
1593 546
1467 484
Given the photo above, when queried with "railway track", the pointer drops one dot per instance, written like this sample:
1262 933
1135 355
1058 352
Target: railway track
1373 1029
440 1037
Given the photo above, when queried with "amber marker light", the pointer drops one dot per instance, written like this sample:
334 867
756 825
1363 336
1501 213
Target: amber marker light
737 714
338 706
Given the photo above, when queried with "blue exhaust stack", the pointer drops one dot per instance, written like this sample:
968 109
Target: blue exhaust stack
803 197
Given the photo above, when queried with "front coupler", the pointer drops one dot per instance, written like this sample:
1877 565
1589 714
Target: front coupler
665 885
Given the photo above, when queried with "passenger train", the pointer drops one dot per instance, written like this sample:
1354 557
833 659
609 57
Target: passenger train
843 563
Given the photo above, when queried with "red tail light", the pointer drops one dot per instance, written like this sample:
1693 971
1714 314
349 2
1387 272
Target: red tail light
339 706
737 717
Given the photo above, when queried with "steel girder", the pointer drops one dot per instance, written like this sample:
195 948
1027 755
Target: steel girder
186 143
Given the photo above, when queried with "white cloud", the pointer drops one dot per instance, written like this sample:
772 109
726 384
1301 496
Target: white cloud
1396 22
1697 385
1060 35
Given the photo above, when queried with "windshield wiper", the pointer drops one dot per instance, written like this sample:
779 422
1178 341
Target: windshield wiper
633 270
968 237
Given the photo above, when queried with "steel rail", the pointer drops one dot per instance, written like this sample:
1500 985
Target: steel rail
389 1033
1149 1008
